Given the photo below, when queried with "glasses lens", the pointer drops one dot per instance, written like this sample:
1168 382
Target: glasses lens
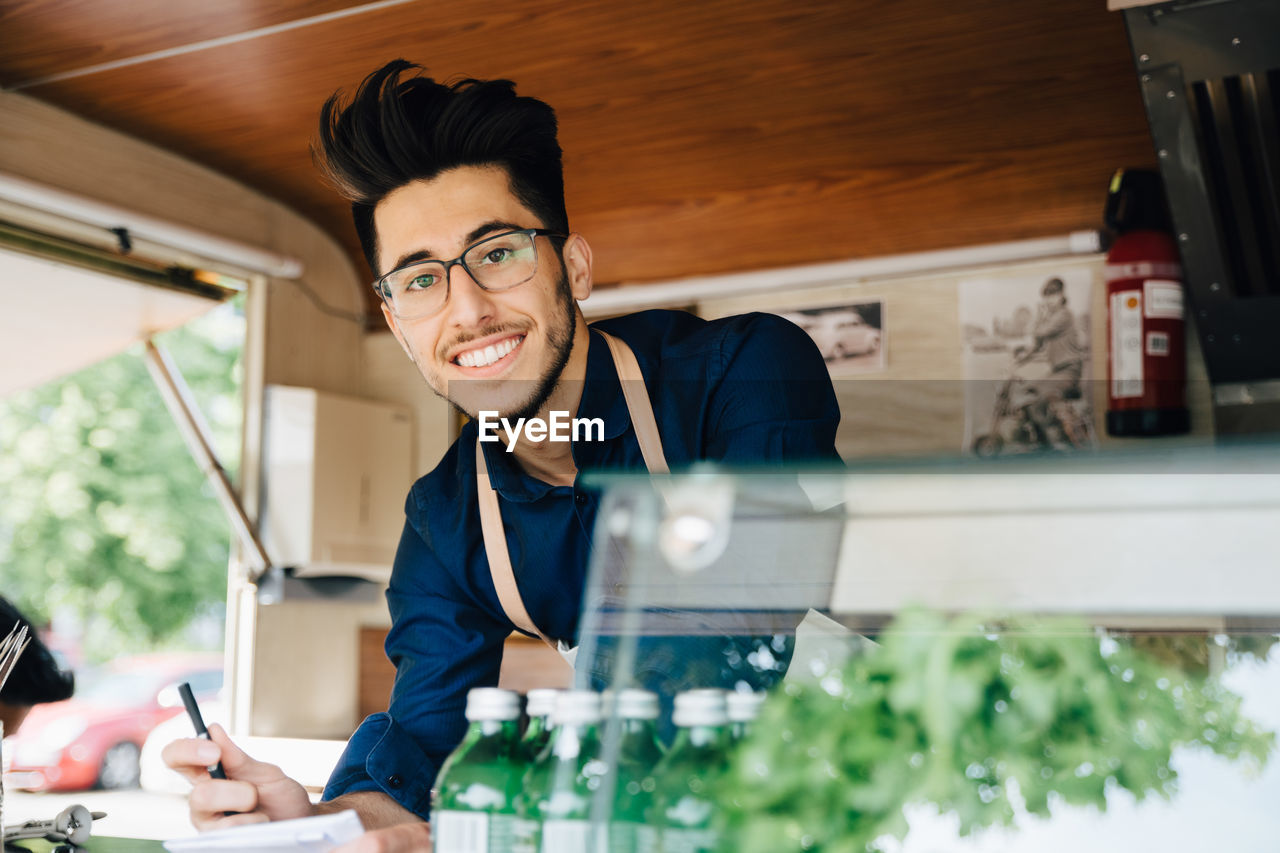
416 290
502 262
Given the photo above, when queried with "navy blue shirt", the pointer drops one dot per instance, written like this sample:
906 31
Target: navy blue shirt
743 390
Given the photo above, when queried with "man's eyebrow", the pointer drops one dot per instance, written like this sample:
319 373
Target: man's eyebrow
411 258
493 225
490 227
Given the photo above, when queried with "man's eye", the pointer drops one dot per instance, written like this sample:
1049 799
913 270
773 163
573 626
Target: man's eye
421 281
497 255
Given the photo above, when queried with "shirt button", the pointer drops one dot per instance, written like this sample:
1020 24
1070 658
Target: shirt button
395 780
580 499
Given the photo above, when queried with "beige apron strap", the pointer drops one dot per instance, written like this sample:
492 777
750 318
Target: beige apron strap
495 547
495 536
637 397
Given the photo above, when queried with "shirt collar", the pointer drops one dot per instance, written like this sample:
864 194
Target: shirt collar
601 398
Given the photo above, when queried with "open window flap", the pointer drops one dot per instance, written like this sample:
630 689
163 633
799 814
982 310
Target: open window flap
56 319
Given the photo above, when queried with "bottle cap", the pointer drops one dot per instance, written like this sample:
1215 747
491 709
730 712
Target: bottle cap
744 707
633 704
492 703
704 707
540 702
576 708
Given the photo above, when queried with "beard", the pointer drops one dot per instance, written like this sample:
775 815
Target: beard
513 398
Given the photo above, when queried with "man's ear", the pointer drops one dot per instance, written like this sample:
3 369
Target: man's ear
577 265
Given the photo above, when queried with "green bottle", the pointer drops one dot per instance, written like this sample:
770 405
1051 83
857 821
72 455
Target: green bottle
743 710
473 804
684 803
538 706
555 806
639 753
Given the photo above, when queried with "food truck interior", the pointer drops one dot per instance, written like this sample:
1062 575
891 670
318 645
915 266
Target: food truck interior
805 158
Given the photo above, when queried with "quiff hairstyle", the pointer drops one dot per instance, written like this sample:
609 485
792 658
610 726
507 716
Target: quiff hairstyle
399 129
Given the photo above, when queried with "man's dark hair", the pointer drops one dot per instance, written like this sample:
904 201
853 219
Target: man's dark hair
37 677
396 131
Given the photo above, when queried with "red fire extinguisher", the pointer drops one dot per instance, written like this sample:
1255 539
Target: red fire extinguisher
1146 323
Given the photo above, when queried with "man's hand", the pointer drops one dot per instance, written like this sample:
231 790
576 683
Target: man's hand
402 838
253 792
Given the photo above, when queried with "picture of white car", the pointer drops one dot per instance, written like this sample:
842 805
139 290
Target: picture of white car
840 333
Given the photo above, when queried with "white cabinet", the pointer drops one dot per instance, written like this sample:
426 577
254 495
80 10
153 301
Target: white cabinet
337 470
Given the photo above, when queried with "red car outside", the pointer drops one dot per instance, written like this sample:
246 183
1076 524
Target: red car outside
94 739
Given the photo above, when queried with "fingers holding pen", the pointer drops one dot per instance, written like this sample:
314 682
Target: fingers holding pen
212 821
214 802
249 787
191 757
220 803
235 761
194 758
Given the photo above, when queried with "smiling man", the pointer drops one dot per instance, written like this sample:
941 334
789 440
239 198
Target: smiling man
457 195
507 352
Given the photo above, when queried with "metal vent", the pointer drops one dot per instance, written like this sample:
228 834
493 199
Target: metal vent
1209 72
1236 121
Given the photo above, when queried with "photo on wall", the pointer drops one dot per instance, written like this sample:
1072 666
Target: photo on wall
850 337
1027 363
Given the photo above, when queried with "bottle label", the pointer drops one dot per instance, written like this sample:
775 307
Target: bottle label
1163 300
1126 344
690 840
628 837
525 835
572 836
472 832
646 839
502 833
460 832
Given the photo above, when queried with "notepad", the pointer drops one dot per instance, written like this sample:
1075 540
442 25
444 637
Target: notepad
318 834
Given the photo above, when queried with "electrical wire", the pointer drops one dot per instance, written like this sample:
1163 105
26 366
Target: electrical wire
323 307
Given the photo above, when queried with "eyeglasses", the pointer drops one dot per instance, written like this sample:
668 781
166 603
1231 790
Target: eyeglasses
496 263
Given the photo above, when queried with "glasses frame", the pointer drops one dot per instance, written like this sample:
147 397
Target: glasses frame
380 283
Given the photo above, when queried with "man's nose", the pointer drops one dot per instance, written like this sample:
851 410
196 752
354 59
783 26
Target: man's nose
469 303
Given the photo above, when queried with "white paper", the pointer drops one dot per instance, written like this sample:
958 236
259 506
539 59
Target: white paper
822 645
318 834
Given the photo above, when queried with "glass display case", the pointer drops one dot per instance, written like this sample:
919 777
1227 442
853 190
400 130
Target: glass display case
1045 653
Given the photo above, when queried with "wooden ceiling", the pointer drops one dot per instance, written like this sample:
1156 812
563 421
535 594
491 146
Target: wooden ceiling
700 137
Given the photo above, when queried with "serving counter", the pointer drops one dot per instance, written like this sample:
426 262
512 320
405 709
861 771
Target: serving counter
1076 650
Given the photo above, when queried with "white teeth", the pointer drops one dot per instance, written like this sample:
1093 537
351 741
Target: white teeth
488 355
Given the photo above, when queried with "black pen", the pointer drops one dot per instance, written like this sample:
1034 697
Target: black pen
193 711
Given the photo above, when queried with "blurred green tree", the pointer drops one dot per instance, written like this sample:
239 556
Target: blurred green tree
104 515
